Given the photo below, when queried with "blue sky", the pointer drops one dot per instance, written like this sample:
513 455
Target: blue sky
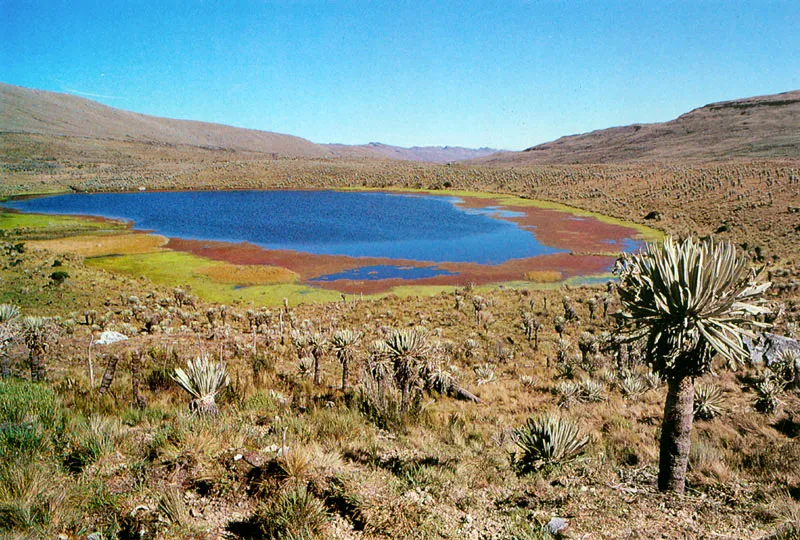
503 74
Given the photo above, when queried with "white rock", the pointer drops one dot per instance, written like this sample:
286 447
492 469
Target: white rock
108 337
556 525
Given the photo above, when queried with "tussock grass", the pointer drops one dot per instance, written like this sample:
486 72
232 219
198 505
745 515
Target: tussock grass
30 416
544 276
35 498
293 514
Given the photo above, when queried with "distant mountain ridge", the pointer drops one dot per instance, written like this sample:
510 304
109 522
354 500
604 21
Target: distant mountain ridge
755 127
24 110
431 154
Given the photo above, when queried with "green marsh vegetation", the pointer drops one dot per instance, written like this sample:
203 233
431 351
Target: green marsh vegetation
15 225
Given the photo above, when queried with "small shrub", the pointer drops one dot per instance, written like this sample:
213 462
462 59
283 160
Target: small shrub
484 374
567 367
652 379
592 391
767 391
708 400
787 367
203 380
585 391
59 277
305 367
546 440
261 363
381 402
471 349
439 378
632 385
159 378
568 392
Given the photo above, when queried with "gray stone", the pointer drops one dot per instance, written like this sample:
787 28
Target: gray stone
769 348
556 525
108 337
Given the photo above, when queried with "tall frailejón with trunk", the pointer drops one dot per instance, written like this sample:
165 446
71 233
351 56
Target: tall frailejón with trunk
687 301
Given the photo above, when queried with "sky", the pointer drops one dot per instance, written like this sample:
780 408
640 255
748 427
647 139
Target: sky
499 74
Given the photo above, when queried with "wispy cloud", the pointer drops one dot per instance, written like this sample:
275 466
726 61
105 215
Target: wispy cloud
89 94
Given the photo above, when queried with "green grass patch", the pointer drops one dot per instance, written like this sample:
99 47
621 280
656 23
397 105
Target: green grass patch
595 279
52 190
22 401
30 415
172 268
42 226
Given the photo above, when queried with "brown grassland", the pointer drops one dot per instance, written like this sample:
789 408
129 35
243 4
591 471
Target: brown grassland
293 459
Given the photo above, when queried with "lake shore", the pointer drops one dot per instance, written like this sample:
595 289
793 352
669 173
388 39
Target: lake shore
589 245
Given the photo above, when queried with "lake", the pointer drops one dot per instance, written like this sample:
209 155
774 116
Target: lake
361 236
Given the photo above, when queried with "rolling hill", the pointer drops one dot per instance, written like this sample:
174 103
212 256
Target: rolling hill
23 110
756 127
38 112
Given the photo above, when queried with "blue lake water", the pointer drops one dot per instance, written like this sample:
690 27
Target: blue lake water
356 224
386 271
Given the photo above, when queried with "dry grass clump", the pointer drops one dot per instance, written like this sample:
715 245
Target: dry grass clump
544 276
293 514
36 499
247 274
173 507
